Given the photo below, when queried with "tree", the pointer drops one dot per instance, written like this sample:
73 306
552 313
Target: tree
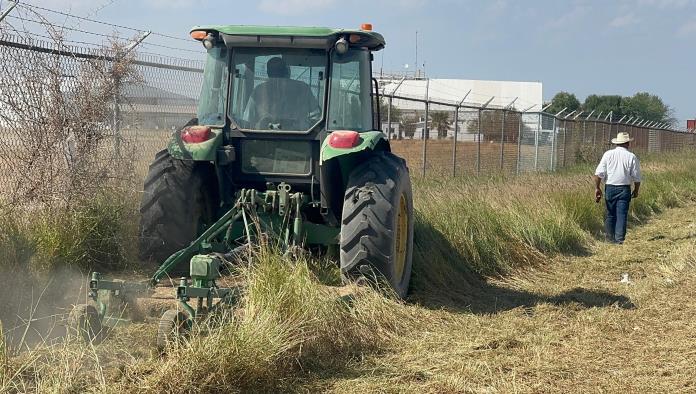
395 112
440 120
563 100
647 106
408 125
604 105
643 105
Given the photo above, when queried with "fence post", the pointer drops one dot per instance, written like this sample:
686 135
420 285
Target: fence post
389 126
536 143
611 125
478 145
519 140
454 142
117 126
594 136
502 141
11 6
426 135
426 131
565 141
553 145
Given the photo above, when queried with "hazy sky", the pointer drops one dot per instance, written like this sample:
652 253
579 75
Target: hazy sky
581 46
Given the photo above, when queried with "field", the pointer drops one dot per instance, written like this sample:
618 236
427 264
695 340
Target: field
513 291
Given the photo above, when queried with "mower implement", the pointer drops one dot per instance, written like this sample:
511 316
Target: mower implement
287 146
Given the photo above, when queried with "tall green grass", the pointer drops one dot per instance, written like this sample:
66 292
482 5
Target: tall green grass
95 233
45 253
479 227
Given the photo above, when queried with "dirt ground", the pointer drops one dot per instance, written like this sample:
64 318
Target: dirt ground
570 326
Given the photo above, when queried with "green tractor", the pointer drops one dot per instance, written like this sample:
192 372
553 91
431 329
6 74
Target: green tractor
287 144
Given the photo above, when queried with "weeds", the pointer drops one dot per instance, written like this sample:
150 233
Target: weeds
288 323
293 329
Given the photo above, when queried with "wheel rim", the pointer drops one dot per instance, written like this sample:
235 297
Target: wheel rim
401 239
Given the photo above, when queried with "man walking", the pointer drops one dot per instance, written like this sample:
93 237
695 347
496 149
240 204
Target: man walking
619 168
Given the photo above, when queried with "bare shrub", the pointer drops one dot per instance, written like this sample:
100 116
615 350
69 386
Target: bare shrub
59 110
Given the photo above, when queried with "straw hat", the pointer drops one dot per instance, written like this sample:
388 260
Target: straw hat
621 138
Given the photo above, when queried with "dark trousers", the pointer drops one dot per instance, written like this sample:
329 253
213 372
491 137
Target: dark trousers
618 198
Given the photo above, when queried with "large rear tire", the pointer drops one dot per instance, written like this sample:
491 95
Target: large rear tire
377 221
178 202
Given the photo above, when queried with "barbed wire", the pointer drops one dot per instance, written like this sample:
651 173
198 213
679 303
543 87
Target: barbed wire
91 20
168 47
61 27
36 7
40 19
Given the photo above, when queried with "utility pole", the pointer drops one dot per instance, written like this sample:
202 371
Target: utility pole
416 63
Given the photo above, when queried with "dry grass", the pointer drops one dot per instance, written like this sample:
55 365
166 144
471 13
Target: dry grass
551 317
581 329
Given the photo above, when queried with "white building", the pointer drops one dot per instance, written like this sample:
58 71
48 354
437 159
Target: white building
520 95
470 94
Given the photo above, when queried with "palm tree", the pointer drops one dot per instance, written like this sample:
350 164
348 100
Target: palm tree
440 120
383 111
408 125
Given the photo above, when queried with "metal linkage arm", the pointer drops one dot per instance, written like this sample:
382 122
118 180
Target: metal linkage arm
195 247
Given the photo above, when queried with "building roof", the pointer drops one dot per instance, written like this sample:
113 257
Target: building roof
502 94
143 91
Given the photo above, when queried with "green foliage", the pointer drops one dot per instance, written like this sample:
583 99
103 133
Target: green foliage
644 105
440 120
563 100
384 109
492 227
647 106
408 126
96 233
603 105
16 248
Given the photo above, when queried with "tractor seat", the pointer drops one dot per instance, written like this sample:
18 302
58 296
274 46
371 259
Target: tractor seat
281 102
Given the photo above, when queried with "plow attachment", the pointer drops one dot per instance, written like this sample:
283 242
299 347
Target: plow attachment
276 214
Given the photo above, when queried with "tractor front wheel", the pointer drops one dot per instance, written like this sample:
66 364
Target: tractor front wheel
377 222
174 325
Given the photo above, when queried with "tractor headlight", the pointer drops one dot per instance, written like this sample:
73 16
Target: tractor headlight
208 42
341 46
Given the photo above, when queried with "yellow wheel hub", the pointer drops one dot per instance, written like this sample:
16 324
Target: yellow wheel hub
401 239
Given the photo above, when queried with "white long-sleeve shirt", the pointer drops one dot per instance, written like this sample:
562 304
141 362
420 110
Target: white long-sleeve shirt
619 167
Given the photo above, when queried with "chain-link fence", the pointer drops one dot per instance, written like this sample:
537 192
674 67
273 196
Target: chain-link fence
43 81
438 137
72 114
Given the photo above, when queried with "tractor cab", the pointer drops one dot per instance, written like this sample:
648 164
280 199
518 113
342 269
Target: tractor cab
271 95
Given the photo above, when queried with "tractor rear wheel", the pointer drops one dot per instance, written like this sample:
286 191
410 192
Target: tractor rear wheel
178 202
377 221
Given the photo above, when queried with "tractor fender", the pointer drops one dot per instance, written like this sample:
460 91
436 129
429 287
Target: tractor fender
369 140
201 151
